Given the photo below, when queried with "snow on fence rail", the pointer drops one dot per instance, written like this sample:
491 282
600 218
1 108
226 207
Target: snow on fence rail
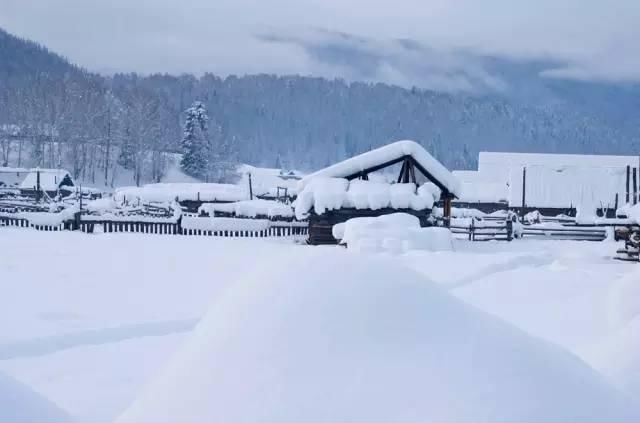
185 225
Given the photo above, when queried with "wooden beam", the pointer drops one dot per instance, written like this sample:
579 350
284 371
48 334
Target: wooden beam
422 170
412 170
406 166
375 168
401 175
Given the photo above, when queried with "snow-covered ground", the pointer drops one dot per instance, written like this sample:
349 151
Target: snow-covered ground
91 321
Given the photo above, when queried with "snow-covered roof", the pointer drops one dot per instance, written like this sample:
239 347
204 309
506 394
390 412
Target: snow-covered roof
50 179
499 163
323 194
388 153
167 192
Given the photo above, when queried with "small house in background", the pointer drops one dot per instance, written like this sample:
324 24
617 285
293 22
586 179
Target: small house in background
48 181
552 184
354 188
270 184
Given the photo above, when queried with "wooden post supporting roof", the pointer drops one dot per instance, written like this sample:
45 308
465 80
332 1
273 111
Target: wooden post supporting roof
446 210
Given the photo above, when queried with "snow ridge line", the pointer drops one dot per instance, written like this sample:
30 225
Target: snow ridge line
51 344
512 264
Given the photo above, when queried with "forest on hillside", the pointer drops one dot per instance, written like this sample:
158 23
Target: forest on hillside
54 114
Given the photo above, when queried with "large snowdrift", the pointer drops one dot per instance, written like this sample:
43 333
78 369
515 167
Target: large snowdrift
19 404
366 342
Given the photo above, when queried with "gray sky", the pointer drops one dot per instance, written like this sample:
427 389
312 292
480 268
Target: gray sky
356 39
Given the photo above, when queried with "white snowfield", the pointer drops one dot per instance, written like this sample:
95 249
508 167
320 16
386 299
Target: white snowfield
385 154
103 327
19 404
370 342
168 192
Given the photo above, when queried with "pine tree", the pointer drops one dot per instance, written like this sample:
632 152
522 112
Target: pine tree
195 143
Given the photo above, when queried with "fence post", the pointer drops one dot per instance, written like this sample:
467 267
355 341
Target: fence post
509 229
628 180
635 185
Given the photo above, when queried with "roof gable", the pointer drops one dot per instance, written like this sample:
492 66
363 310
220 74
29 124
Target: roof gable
388 155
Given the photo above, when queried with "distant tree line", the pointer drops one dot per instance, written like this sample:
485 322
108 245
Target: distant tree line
55 114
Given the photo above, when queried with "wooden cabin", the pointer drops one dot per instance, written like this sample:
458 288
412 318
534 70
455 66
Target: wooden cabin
47 181
360 187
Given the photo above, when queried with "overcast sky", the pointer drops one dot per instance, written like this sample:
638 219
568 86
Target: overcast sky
590 39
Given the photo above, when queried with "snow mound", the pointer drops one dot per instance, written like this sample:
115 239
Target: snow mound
394 233
365 340
19 404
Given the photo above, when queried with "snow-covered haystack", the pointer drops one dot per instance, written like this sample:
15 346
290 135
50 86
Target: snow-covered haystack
323 194
365 340
394 233
19 404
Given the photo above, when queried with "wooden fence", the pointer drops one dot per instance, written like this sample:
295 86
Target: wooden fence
275 228
21 222
504 231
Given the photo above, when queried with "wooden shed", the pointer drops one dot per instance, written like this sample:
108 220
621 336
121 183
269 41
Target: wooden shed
49 181
354 188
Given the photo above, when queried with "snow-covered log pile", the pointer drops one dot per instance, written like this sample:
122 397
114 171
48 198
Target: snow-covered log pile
249 208
322 194
393 233
108 209
218 224
168 192
367 340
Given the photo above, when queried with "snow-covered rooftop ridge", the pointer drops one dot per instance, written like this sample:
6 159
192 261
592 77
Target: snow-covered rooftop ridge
388 153
167 192
50 179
